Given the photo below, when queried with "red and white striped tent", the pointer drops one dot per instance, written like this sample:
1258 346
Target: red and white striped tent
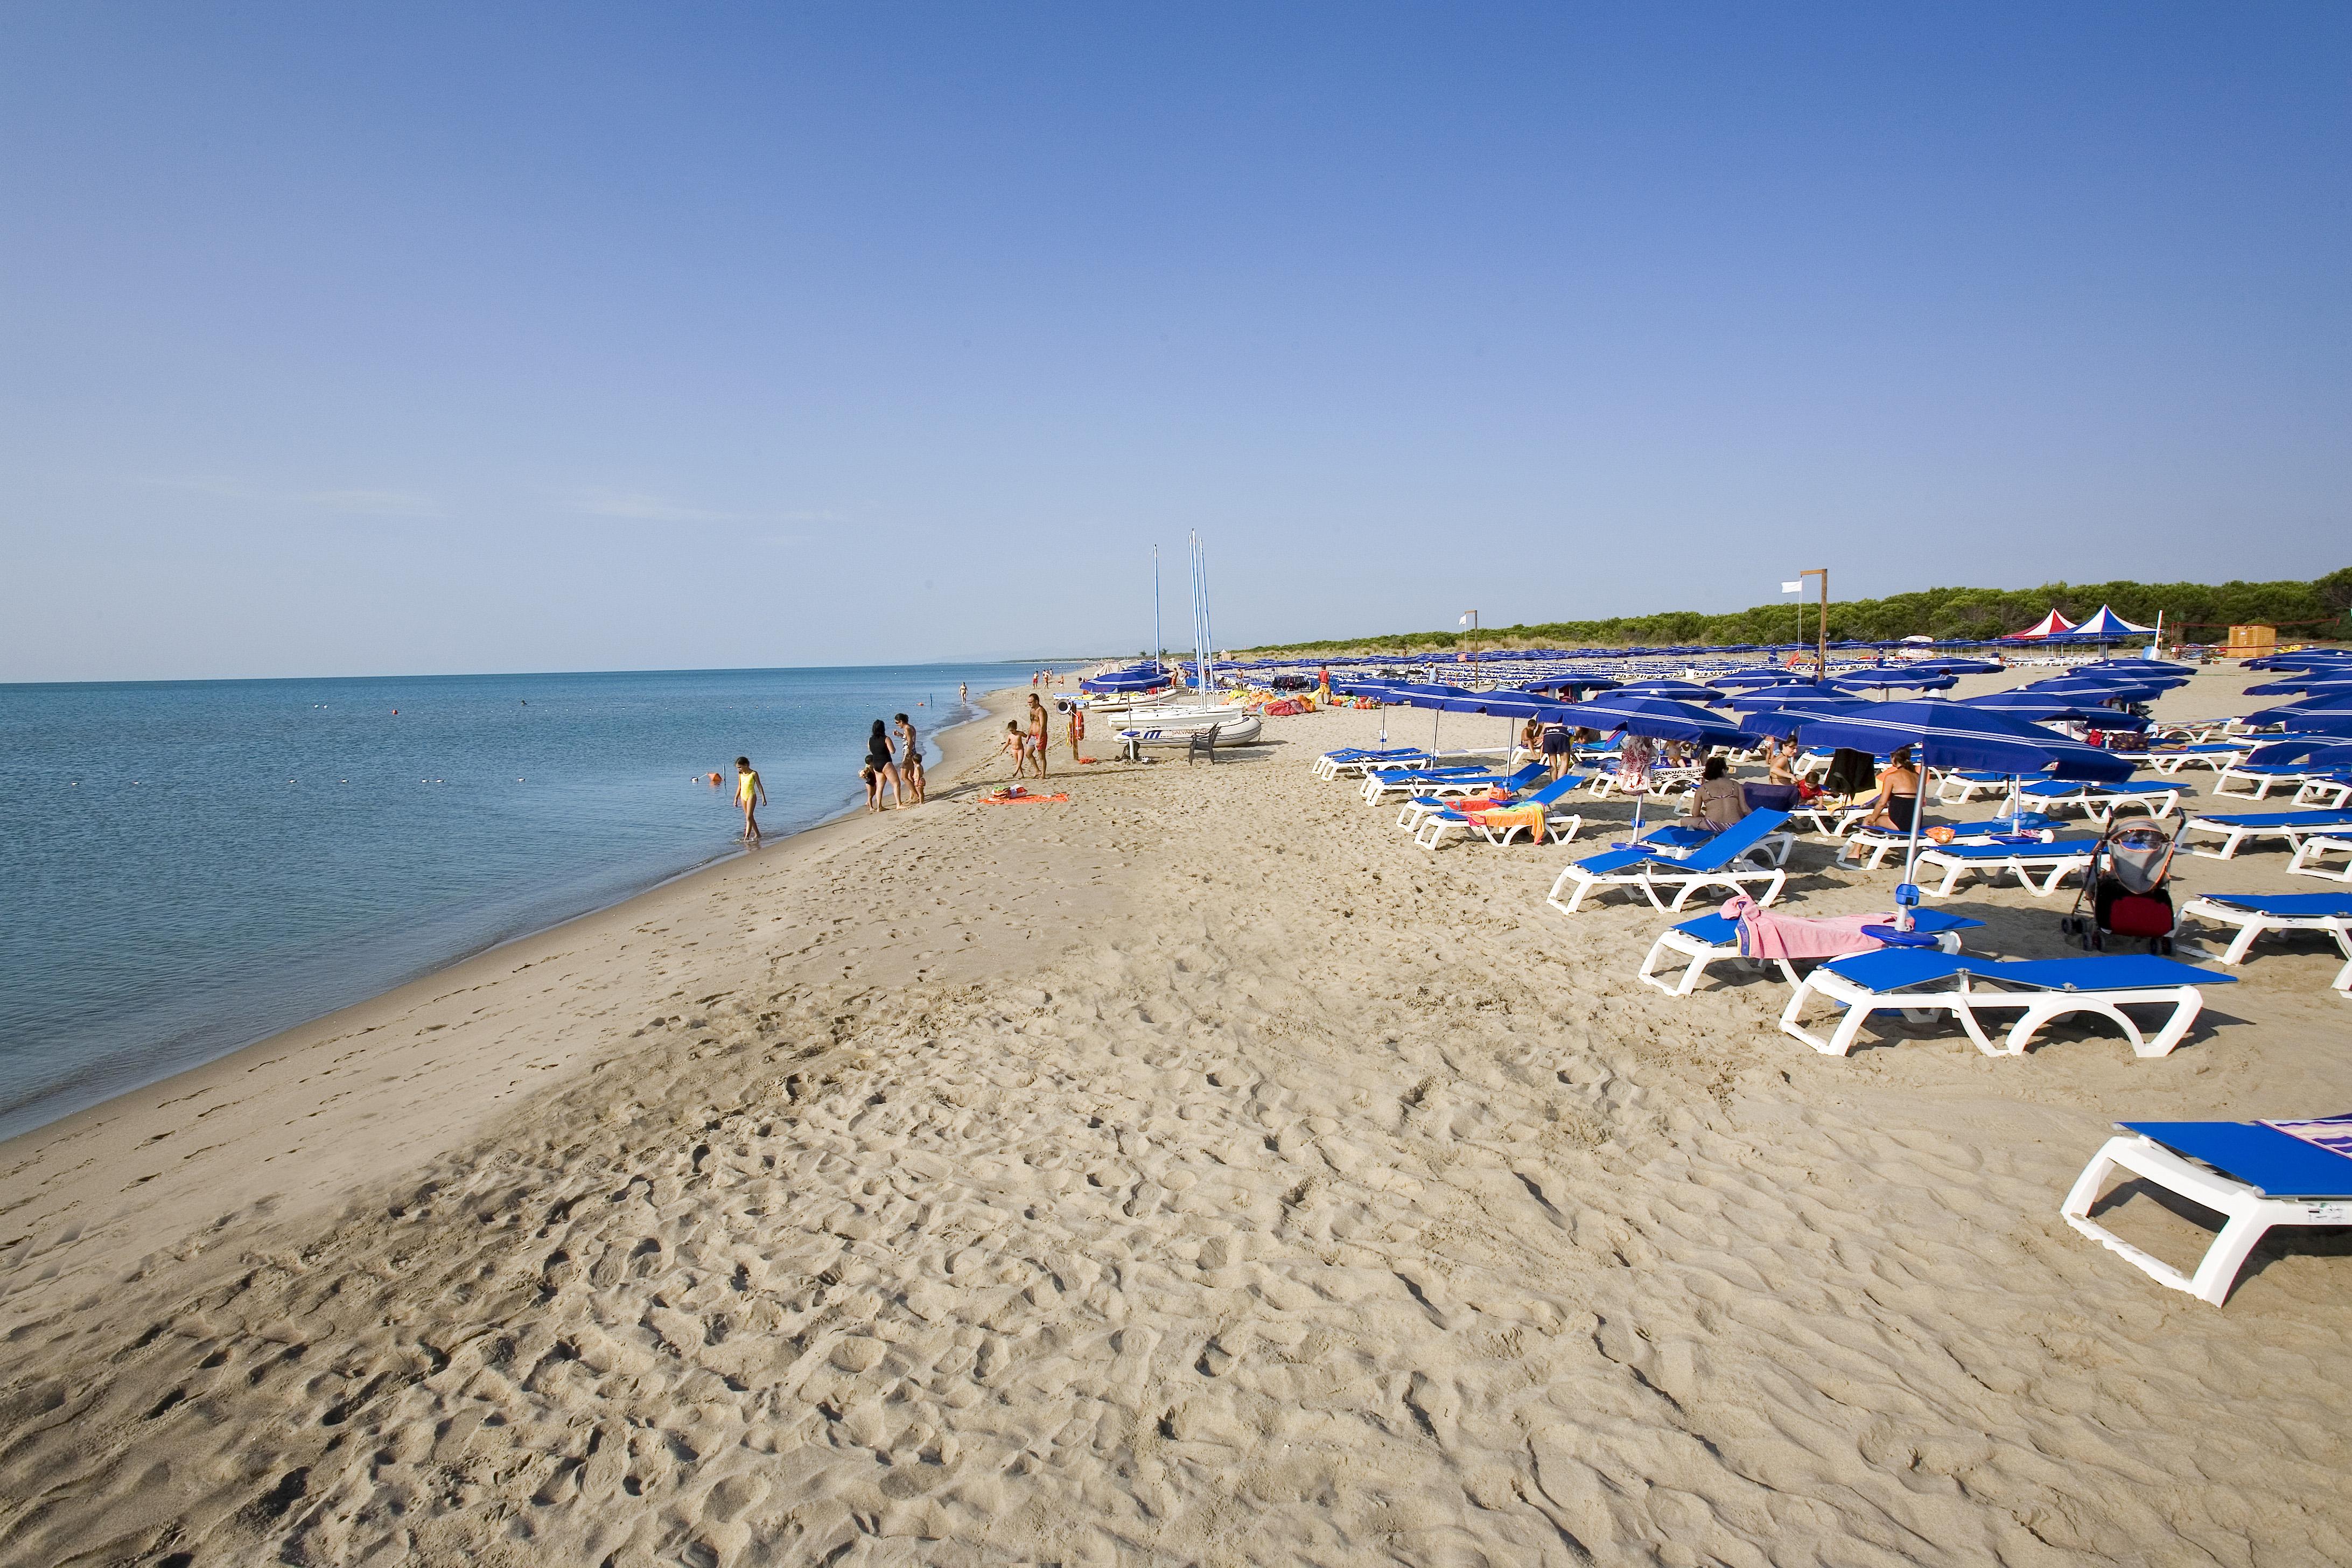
2050 625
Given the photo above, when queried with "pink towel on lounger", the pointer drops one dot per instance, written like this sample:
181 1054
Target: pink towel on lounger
1763 934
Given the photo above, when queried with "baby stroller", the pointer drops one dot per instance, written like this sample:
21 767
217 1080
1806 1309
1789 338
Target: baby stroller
2126 884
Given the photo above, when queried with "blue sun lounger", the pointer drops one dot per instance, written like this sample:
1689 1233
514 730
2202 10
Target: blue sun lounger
1915 982
1713 936
1732 858
2057 857
1453 780
2249 1173
2263 914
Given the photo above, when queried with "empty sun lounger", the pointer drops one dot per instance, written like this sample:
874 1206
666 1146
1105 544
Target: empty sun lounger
1378 787
2261 778
1712 937
2209 754
1917 983
2295 826
2267 914
1960 788
1732 858
2251 1172
2312 851
1883 842
2100 801
2056 858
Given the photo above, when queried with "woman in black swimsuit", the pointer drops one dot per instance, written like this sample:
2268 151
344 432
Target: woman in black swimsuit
886 771
1898 794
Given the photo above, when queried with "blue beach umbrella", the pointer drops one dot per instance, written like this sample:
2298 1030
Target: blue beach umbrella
2304 685
1764 676
1887 679
2307 708
2033 706
1680 690
1656 718
1957 735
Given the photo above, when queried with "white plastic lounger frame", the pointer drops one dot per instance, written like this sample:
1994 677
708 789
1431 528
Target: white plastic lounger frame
2311 850
1703 953
1958 789
2253 923
2201 755
2248 1213
1962 1000
2328 794
2234 834
2059 863
2101 804
2262 779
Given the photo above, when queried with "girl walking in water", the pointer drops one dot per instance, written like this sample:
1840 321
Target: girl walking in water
751 794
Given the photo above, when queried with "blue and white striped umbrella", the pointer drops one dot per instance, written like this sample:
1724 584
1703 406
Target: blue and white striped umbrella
1954 735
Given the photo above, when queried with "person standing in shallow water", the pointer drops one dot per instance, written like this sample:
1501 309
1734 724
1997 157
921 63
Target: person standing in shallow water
751 794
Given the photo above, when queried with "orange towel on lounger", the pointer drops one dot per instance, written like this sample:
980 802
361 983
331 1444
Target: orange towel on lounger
1501 819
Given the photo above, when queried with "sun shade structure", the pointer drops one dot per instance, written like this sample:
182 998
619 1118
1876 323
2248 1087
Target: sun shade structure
2106 625
1658 718
1135 677
1888 678
2050 625
2037 707
1955 735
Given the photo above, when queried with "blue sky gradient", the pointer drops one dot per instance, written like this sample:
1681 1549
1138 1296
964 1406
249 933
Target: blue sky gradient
346 340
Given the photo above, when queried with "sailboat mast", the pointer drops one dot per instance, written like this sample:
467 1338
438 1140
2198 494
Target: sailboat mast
1159 644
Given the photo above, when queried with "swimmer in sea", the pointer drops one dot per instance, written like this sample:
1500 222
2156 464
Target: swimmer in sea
751 794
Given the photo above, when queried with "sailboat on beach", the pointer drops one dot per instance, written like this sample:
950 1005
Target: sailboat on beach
1174 724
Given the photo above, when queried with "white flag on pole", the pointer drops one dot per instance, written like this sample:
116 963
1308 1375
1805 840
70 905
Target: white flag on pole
1796 587
1465 618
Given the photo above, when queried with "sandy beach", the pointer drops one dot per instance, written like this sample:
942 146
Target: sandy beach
1197 1171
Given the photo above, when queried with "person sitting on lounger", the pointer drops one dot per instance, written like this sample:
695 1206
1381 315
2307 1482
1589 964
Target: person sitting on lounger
1896 805
1781 762
1717 801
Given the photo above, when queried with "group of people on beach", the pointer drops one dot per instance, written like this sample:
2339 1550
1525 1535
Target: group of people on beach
1027 747
898 770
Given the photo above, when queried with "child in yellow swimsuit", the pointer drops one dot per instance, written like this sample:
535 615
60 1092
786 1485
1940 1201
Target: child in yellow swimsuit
751 794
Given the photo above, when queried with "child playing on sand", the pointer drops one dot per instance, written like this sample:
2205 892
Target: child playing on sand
1017 746
751 794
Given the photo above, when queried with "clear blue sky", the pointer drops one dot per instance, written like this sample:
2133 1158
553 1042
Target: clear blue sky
410 338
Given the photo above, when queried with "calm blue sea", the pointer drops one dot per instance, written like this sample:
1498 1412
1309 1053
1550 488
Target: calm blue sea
186 866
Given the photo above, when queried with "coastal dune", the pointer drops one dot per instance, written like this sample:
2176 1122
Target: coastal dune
1194 1173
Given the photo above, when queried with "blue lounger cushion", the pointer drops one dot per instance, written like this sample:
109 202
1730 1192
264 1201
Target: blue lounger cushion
1895 968
2314 819
1718 930
2023 849
2288 906
2274 1163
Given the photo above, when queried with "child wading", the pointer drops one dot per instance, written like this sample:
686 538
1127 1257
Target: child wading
751 794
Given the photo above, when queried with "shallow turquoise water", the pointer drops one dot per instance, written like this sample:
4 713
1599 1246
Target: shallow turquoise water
187 867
